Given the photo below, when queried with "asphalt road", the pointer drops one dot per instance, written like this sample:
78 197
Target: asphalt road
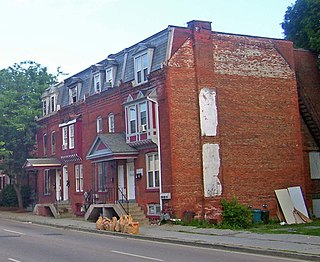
26 242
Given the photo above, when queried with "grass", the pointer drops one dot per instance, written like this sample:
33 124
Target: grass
274 227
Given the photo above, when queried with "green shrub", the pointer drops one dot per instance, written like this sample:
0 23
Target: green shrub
235 215
8 196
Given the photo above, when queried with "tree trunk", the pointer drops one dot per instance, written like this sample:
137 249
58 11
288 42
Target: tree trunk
17 188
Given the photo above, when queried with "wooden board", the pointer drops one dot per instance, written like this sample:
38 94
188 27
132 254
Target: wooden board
297 200
286 205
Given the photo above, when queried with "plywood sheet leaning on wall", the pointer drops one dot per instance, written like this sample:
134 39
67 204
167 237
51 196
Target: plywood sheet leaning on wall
286 205
297 200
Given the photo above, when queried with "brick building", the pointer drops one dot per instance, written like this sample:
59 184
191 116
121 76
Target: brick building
178 121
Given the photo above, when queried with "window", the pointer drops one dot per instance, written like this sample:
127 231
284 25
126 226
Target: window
45 144
99 124
52 104
154 209
143 116
132 119
111 123
64 137
96 82
314 160
53 142
141 68
79 178
46 187
109 77
102 176
44 107
73 92
71 136
153 170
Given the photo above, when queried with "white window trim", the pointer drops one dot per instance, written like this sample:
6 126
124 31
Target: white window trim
79 177
53 145
133 107
111 123
149 53
110 77
155 207
76 94
97 82
64 137
99 124
71 136
143 126
154 170
53 104
46 181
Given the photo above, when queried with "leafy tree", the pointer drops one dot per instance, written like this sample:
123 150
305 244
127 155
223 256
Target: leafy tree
302 24
21 86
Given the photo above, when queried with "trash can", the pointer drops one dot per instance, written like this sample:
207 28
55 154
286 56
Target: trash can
188 216
256 216
265 216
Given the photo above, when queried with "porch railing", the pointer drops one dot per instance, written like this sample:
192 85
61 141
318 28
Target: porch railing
112 195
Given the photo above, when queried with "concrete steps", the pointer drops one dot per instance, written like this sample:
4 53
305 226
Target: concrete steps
137 214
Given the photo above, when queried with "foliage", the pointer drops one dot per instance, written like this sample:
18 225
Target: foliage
235 215
8 196
21 87
302 24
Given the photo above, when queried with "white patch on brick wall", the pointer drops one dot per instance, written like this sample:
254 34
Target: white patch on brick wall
211 166
245 56
208 112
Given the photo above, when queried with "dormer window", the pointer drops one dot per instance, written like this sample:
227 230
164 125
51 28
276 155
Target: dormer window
141 68
52 104
73 93
44 107
109 77
96 82
142 63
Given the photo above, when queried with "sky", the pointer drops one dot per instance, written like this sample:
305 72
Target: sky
75 34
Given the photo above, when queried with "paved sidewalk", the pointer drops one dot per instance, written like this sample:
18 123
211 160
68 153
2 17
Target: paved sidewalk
287 245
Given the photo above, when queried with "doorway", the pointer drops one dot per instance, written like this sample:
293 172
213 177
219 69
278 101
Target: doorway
131 190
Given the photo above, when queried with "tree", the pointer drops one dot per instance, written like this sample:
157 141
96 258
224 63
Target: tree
302 24
21 87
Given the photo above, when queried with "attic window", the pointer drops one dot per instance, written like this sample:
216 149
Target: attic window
142 63
73 93
96 80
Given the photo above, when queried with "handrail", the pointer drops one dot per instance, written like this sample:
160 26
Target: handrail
123 198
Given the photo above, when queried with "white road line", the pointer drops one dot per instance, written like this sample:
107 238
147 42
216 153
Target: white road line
14 260
14 232
134 255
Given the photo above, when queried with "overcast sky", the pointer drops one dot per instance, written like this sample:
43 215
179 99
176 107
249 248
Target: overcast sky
75 34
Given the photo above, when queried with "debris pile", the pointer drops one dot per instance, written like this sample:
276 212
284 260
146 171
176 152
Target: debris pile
125 224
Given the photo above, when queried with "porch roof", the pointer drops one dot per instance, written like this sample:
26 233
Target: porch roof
111 146
33 163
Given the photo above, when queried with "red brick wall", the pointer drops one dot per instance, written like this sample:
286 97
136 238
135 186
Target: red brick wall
259 126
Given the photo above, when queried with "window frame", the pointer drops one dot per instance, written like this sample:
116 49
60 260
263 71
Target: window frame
97 82
78 177
71 136
53 142
44 107
46 181
52 104
155 206
109 77
64 137
152 172
145 110
99 124
132 121
102 176
73 94
141 68
314 162
45 144
111 123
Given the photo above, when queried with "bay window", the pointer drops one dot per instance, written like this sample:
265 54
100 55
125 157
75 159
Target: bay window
152 170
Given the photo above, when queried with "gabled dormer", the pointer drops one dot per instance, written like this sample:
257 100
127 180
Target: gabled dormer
98 76
142 57
50 99
110 72
74 89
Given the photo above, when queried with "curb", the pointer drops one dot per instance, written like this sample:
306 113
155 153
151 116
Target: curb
242 249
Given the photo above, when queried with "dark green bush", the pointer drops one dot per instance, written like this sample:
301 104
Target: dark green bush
235 215
8 196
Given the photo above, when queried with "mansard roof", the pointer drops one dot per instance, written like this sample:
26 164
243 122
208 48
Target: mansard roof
124 62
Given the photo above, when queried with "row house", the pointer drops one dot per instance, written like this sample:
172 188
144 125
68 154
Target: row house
177 122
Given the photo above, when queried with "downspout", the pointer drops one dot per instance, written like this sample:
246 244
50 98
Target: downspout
159 148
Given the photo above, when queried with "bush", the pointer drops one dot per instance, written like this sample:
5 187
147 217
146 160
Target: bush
235 215
8 196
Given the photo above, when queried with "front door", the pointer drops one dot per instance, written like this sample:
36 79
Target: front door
65 183
131 191
58 185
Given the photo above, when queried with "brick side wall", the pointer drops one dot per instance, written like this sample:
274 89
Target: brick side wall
258 120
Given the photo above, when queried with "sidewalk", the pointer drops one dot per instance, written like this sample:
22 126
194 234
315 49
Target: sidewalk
285 245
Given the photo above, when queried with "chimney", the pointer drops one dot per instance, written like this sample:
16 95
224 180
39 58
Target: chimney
197 25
